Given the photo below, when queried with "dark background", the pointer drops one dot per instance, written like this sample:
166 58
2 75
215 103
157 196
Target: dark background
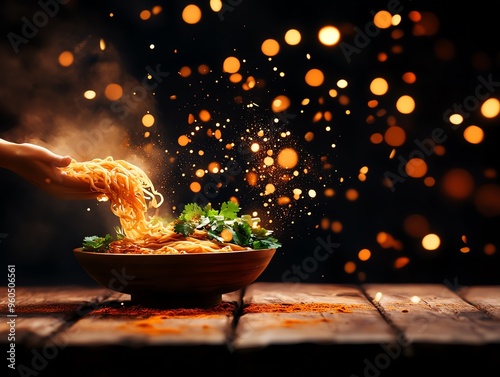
42 102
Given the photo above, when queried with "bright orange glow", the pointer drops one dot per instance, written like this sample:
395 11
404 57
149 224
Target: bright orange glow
314 77
231 65
195 187
191 14
364 254
409 77
490 108
205 115
287 158
185 71
457 183
336 226
148 120
379 86
270 47
252 178
329 35
145 15
405 104
431 241
349 267
292 37
376 138
351 194
474 134
183 140
401 262
395 136
382 19
113 92
416 167
66 58
280 103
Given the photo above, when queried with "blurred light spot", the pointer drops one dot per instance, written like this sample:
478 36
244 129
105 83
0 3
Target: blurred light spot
183 140
254 147
416 167
490 249
314 77
490 173
66 58
487 200
312 193
456 119
216 5
379 86
145 14
445 49
415 299
405 104
349 267
203 69
329 35
401 262
474 134
427 25
309 136
409 77
378 296
283 200
89 94
416 225
270 47
293 37
268 161
414 16
387 241
376 138
185 71
157 9
429 181
214 167
457 183
490 108
382 19
231 65
191 14
280 103
148 120
199 173
113 92
465 249
342 83
336 226
395 136
102 44
431 241
195 187
270 188
287 158
364 254
252 178
351 194
204 115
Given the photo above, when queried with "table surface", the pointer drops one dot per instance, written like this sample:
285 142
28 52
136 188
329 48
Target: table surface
265 329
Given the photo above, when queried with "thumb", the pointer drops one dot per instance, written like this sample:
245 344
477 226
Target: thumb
62 161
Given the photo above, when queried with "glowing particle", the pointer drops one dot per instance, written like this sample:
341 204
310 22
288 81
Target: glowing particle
191 14
204 115
329 35
405 104
395 136
148 120
382 19
378 296
379 86
183 140
293 37
342 84
280 103
270 47
431 241
364 254
490 108
312 193
216 5
199 173
66 58
457 183
113 92
152 46
401 262
287 158
145 15
415 299
255 147
349 267
270 188
89 94
416 167
231 65
314 77
474 134
102 44
195 187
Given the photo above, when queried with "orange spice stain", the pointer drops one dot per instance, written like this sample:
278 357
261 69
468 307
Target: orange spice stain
298 308
155 325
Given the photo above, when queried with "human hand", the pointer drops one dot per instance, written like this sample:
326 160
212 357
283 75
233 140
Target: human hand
42 168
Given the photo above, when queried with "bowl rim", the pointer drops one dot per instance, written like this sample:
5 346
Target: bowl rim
81 251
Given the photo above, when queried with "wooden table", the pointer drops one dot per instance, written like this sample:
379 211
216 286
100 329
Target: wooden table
268 329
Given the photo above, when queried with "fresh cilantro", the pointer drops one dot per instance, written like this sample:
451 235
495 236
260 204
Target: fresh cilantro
243 231
96 243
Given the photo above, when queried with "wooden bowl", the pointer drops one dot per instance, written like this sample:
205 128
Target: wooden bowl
175 280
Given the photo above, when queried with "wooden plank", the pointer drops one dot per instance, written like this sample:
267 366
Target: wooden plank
432 313
282 313
485 298
142 326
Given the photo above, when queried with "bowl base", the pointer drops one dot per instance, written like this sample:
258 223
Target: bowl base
176 301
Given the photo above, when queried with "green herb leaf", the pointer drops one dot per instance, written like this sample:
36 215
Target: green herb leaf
96 243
